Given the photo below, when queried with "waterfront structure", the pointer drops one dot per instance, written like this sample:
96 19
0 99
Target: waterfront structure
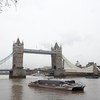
60 66
57 61
17 70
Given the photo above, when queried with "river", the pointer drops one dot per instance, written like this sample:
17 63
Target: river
17 89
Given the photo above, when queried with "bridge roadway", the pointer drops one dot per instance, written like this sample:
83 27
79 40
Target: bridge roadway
5 69
39 51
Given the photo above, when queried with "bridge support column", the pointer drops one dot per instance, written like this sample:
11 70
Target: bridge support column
57 62
17 73
17 70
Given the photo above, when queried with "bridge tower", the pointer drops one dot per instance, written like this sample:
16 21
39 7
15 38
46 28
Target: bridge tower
57 61
17 70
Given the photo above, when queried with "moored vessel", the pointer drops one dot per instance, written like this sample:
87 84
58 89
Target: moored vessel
58 84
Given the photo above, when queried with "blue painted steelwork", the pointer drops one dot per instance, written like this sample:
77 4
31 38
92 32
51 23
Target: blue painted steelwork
38 51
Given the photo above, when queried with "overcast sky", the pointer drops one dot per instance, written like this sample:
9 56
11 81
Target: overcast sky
74 24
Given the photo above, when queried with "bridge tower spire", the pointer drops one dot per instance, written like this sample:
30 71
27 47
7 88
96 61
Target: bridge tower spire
57 62
57 57
18 54
17 64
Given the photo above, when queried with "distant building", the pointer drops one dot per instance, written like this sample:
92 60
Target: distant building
78 64
90 64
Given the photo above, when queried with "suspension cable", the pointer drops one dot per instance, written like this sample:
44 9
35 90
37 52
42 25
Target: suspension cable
67 61
6 58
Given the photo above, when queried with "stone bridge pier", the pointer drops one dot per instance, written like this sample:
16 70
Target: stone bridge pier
57 61
17 70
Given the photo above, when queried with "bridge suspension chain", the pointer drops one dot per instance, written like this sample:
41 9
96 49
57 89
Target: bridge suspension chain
6 58
67 62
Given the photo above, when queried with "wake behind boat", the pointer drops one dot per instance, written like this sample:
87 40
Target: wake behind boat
58 84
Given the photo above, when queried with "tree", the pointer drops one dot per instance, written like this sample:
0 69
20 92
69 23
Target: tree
4 3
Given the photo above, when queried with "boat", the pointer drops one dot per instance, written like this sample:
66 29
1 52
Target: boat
58 84
92 77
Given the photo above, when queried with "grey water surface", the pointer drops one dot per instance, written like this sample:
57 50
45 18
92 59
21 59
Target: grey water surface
17 89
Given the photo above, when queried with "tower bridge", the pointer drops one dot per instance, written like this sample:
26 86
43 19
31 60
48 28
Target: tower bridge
18 51
59 64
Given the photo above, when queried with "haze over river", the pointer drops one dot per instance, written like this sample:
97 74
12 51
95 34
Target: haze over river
17 89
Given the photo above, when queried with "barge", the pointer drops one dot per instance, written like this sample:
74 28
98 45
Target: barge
58 84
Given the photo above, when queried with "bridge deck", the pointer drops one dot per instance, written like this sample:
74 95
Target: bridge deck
38 51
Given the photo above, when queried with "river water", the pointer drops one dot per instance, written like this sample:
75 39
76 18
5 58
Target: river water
17 89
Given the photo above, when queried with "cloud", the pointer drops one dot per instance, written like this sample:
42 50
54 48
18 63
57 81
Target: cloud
70 38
